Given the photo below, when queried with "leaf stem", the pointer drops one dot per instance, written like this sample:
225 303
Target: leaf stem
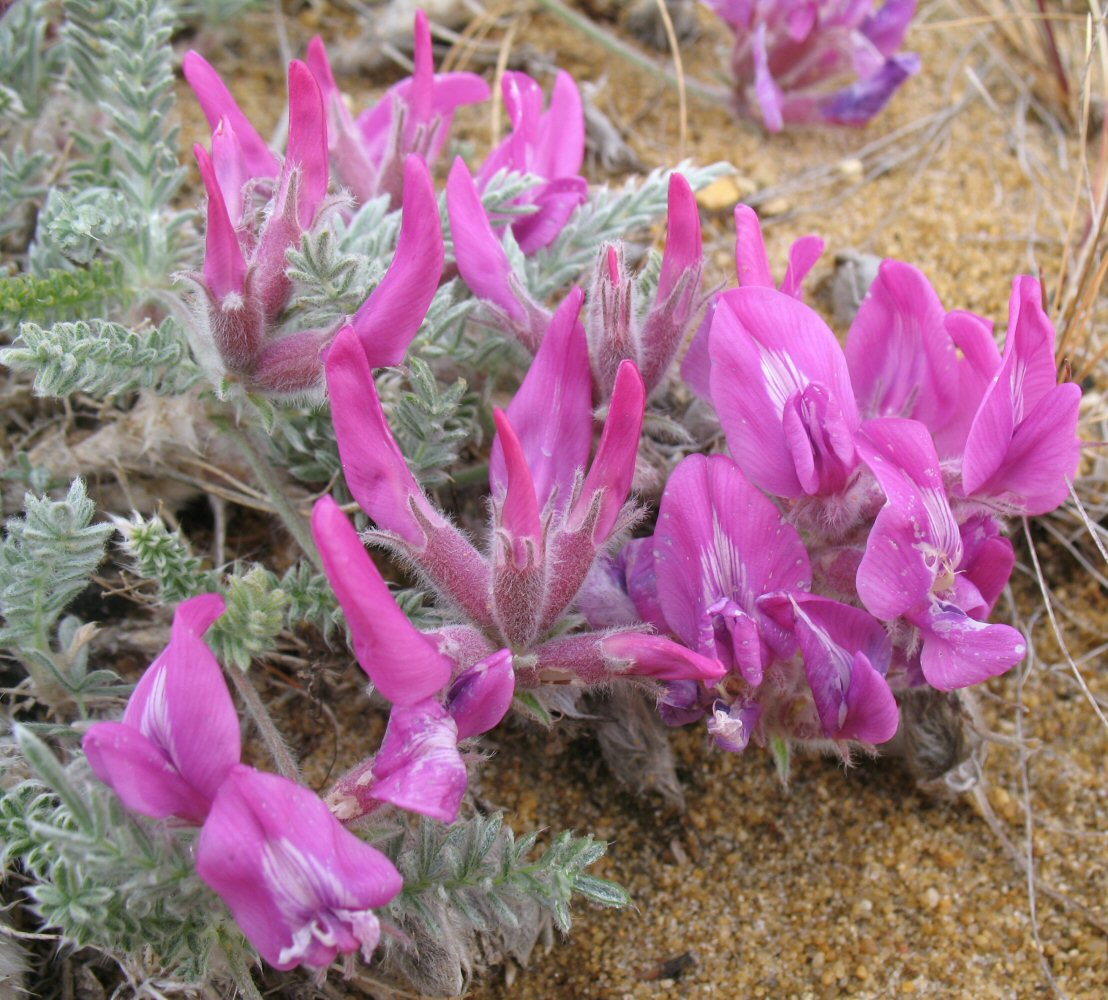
267 478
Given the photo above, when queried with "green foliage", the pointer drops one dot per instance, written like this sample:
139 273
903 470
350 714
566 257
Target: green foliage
122 58
46 560
311 599
86 224
209 13
36 478
432 423
332 283
125 173
22 186
103 358
254 617
445 333
482 872
80 292
28 61
163 556
103 877
259 605
305 444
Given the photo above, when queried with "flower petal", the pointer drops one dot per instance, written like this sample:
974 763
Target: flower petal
418 767
307 145
915 538
764 347
216 102
403 664
684 248
520 512
959 650
751 259
224 263
481 259
660 658
390 318
718 537
902 361
141 774
613 466
481 695
552 410
372 462
300 886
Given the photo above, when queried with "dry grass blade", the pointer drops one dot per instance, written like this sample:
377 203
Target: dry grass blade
1028 34
1048 603
1083 267
679 72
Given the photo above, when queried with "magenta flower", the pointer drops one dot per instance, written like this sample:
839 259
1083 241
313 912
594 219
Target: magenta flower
621 327
179 736
418 766
902 361
732 582
552 511
251 156
780 384
803 61
1022 444
915 563
751 268
245 290
846 657
484 266
548 144
404 665
414 117
389 319
301 887
720 544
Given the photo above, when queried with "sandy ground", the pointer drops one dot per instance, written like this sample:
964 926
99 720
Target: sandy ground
848 882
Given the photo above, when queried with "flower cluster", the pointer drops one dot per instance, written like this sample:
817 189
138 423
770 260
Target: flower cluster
301 887
803 61
851 546
624 321
261 205
552 513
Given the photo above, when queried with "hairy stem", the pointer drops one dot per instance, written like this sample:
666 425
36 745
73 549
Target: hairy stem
240 973
274 741
267 478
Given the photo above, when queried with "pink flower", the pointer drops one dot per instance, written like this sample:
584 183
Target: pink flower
751 268
484 266
179 736
553 512
402 663
1022 443
732 581
620 328
915 563
790 58
437 699
548 144
414 117
302 888
780 384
